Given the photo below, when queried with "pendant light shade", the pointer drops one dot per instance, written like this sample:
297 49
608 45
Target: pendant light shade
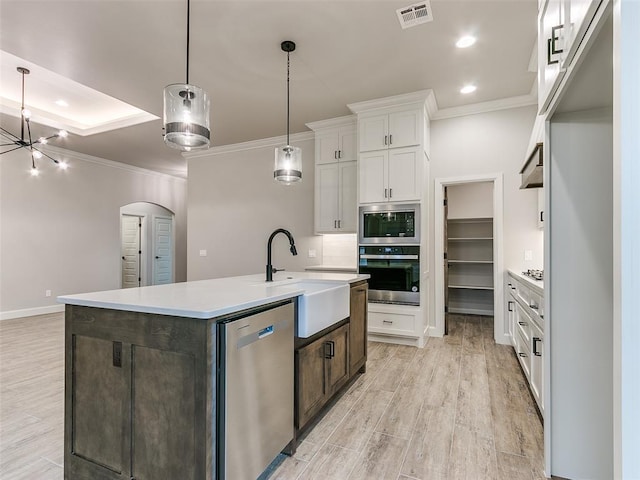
186 111
186 117
288 166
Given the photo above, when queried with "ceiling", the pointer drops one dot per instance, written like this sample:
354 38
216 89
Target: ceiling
347 51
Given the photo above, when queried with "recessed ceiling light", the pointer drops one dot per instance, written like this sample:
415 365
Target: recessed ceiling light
61 103
468 89
466 41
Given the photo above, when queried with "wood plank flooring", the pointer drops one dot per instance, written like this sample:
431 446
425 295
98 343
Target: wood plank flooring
458 409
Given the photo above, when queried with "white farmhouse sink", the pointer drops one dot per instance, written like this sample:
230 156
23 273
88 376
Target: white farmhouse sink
321 306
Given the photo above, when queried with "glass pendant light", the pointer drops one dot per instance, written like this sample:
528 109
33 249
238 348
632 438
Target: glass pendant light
186 112
288 167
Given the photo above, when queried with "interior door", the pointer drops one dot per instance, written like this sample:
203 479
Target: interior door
162 250
446 264
131 251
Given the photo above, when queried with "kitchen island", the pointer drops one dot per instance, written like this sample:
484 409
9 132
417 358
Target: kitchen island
144 368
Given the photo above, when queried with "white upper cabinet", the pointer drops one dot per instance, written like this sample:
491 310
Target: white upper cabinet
391 175
577 15
336 204
335 145
393 130
551 36
336 182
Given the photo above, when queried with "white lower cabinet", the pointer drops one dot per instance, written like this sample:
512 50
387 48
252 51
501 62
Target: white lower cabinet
525 315
396 324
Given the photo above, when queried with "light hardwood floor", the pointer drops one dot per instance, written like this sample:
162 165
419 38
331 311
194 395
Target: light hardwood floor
457 409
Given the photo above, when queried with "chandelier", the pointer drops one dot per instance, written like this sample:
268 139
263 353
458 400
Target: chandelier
20 142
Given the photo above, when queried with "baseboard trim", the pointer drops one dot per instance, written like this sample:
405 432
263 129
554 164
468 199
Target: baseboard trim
398 340
30 312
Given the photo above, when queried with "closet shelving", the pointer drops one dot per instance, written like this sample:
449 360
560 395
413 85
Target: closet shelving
470 265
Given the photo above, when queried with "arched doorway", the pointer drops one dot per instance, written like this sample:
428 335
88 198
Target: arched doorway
147 242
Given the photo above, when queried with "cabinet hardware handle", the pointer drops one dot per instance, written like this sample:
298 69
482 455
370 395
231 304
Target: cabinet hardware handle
339 153
385 193
533 306
513 288
335 154
339 223
524 324
327 349
551 44
335 224
387 321
385 140
509 303
117 354
535 347
123 257
522 354
509 285
390 139
541 212
542 316
390 192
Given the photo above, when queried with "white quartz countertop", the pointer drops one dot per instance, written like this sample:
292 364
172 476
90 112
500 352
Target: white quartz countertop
208 298
331 268
536 285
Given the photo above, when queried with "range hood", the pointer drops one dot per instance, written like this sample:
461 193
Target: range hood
532 170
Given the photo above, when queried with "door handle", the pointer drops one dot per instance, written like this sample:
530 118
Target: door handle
385 139
385 193
339 153
509 303
335 154
390 139
390 192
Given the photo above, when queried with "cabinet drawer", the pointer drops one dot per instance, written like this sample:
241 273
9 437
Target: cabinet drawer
524 354
392 323
523 323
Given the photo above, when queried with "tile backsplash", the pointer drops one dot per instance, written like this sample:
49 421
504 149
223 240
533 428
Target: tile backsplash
340 250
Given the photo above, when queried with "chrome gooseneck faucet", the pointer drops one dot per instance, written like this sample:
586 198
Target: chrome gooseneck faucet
292 249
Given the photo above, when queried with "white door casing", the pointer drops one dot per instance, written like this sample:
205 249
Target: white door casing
131 250
500 330
162 250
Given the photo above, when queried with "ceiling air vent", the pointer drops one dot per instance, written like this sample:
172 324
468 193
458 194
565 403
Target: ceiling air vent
415 14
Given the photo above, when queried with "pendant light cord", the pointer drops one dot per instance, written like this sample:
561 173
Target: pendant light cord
22 112
188 15
288 64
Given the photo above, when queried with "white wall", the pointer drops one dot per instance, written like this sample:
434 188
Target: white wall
61 231
489 143
234 204
470 200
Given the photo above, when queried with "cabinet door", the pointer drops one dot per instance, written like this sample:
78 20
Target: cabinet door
100 403
537 366
338 363
373 133
311 389
404 174
540 208
404 129
358 328
551 34
327 147
372 176
327 184
347 149
164 414
348 197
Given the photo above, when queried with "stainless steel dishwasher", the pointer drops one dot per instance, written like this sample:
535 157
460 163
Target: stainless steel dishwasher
255 390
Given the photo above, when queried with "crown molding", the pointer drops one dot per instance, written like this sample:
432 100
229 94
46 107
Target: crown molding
486 107
251 145
83 157
421 96
347 120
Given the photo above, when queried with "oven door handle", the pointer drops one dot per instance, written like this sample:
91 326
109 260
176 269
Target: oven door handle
389 257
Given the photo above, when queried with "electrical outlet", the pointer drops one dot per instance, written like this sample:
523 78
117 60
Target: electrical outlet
528 255
312 253
47 293
203 253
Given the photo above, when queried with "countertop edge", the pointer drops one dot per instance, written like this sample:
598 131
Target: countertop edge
536 285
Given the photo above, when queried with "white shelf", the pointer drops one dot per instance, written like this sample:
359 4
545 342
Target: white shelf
470 287
465 239
487 262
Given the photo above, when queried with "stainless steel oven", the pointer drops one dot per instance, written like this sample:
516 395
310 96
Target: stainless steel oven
395 273
386 224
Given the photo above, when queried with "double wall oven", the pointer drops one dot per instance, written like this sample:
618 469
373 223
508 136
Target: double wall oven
389 251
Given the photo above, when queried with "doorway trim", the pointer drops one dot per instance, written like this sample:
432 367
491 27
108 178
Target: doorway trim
500 334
